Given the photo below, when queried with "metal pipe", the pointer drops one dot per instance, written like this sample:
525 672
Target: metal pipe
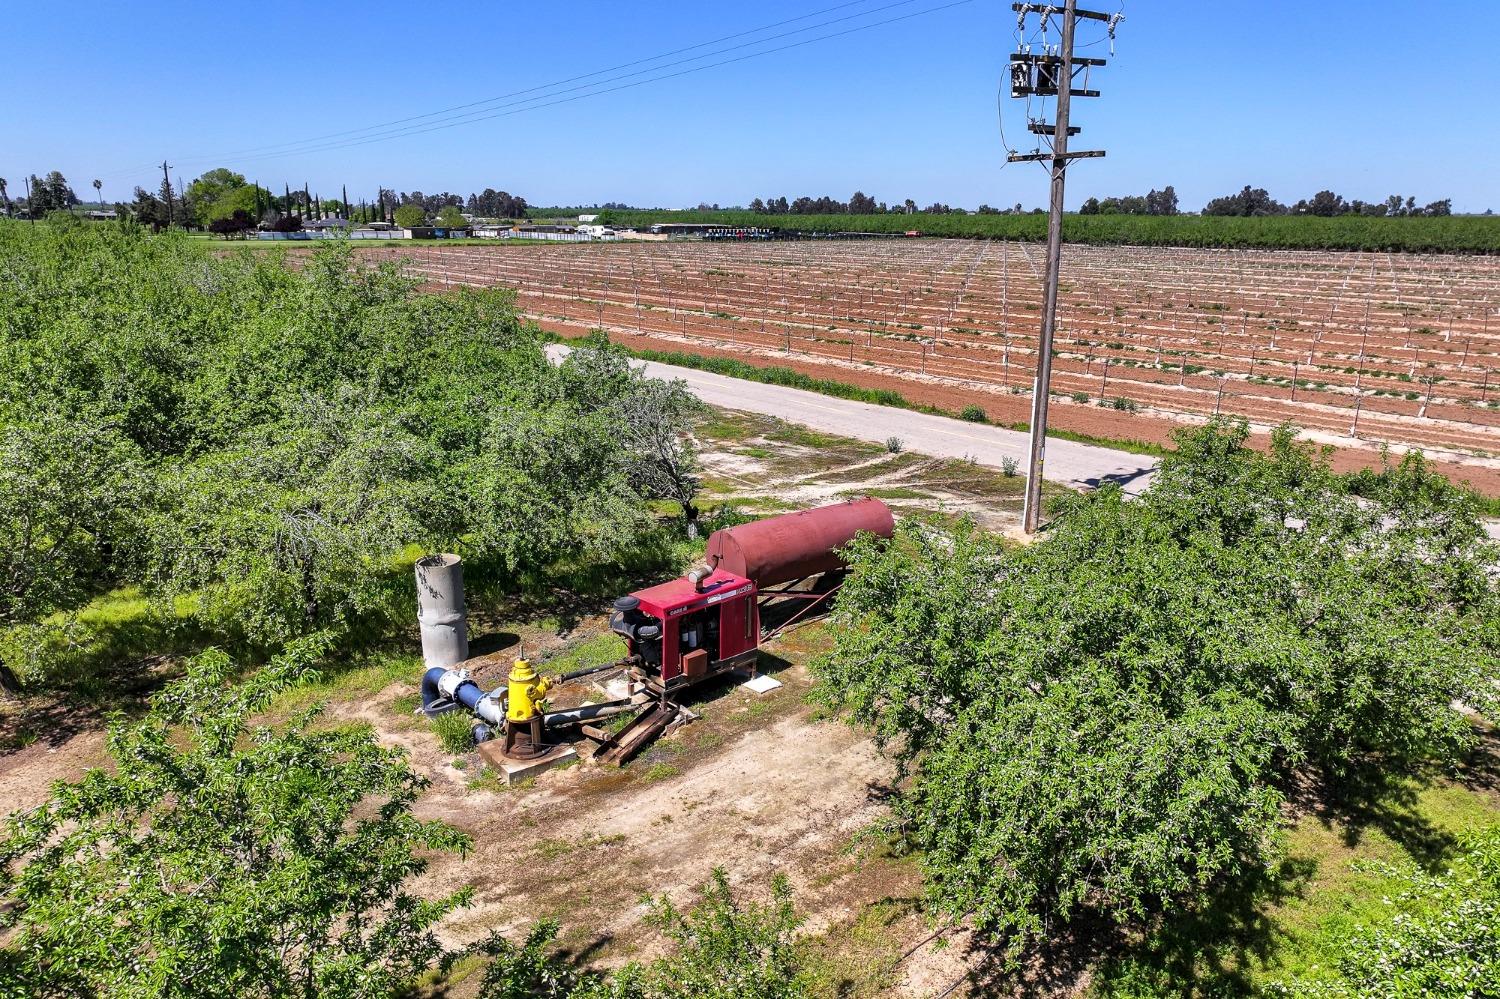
445 689
440 610
589 671
588 712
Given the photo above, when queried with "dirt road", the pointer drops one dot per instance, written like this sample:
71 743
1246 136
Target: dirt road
1079 466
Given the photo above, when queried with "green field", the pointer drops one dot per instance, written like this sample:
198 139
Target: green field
1451 234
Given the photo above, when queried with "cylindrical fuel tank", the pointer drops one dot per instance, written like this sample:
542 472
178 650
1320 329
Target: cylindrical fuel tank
795 545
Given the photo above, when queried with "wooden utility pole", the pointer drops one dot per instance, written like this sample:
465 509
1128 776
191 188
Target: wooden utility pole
166 181
1049 74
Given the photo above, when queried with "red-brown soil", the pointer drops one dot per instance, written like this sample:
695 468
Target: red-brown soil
1401 349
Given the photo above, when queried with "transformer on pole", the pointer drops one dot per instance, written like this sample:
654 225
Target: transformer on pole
1050 73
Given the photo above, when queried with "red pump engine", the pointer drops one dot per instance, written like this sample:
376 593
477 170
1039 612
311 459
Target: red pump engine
709 621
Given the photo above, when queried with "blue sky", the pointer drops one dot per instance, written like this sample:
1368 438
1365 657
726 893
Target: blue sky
1368 99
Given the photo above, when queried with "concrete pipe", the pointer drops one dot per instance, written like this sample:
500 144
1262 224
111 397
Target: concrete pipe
440 610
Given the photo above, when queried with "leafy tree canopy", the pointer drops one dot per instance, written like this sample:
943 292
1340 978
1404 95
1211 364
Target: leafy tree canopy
410 216
1110 719
269 440
215 857
206 192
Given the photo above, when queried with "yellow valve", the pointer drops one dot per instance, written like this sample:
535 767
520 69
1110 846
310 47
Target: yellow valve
526 691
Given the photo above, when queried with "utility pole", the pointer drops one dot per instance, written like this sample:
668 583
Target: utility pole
166 181
1050 74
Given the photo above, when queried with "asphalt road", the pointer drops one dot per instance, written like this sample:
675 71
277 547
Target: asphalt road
1079 466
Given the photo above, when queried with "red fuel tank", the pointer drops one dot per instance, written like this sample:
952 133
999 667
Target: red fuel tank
796 545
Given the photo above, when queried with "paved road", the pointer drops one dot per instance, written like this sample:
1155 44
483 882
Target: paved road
1075 465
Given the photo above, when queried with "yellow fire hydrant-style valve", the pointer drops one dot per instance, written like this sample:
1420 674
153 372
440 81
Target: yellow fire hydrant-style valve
526 690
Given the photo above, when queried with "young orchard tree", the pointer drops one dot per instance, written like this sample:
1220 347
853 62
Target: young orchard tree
216 857
653 421
64 492
292 531
1110 720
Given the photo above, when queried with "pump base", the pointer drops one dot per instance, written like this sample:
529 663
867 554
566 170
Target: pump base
516 771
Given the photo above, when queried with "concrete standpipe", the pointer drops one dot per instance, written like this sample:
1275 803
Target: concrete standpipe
441 612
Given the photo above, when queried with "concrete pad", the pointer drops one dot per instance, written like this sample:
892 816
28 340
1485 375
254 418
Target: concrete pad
761 684
516 771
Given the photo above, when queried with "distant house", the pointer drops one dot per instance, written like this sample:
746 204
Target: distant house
326 224
101 216
588 218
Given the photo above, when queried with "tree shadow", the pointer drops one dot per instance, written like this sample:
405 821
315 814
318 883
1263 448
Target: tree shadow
1385 800
1208 949
493 642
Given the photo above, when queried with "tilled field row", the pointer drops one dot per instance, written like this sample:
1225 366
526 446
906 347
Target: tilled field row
1404 348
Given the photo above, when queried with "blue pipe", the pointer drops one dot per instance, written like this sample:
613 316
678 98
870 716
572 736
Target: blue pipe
468 694
430 692
445 689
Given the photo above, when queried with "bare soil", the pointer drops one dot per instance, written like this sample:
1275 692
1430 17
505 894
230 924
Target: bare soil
1358 349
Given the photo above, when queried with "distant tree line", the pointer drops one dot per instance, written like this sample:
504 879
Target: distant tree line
1254 202
225 202
1153 202
859 203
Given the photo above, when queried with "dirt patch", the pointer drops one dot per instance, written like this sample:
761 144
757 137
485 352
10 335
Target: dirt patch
762 465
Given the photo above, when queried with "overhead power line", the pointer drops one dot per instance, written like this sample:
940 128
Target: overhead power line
533 106
585 76
543 95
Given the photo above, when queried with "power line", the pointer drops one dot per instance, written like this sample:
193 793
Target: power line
336 140
585 76
532 106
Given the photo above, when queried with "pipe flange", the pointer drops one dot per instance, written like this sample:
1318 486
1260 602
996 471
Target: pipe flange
450 681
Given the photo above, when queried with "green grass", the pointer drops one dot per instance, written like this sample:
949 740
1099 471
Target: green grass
659 771
774 375
110 643
1291 926
453 731
860 959
889 493
595 651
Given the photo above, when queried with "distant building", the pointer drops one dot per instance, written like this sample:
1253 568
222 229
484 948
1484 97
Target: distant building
588 218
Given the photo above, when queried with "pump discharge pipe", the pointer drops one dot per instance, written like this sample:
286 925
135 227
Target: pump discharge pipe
516 708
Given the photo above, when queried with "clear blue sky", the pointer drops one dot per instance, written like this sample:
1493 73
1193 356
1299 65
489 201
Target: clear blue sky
1369 99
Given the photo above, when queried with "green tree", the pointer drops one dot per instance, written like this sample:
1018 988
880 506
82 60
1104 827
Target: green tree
244 198
410 216
652 417
66 490
1109 720
1439 939
50 194
724 948
451 217
215 857
293 431
206 192
148 209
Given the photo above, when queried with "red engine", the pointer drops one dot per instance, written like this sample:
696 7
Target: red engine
709 621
